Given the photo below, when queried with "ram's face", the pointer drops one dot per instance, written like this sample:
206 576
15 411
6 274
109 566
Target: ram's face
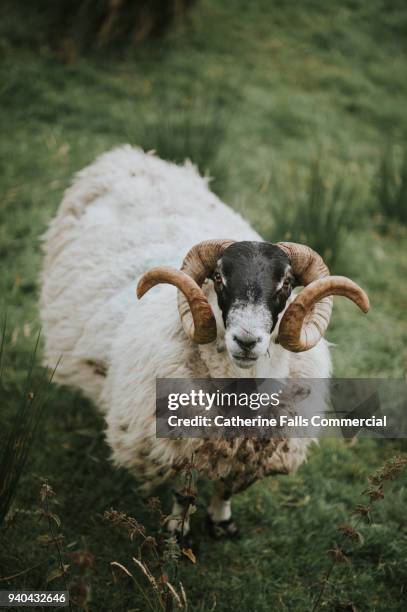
252 282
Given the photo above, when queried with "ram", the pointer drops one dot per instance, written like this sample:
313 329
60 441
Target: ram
222 309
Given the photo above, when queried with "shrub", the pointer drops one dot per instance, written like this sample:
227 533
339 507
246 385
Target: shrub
74 25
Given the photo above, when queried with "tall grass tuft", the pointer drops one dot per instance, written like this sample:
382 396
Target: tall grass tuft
193 131
15 445
391 187
319 215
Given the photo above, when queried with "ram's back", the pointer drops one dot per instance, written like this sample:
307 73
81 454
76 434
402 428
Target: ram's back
123 214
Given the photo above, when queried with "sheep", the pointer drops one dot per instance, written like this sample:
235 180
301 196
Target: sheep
131 219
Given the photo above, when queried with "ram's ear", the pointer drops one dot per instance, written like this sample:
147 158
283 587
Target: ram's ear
217 276
288 281
289 275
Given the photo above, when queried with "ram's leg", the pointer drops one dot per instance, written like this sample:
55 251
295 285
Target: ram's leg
182 508
220 522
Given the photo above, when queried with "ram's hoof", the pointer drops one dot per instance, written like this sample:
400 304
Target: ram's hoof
222 529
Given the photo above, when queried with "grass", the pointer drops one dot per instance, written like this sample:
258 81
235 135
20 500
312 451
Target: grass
291 79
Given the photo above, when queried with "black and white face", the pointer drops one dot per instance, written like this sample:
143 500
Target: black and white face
253 281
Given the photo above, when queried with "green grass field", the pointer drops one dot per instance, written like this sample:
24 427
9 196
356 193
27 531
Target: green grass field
289 83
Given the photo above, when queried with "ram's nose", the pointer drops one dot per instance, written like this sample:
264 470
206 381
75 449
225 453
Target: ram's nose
247 343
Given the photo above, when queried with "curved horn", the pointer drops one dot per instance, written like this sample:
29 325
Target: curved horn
307 317
202 321
199 263
195 311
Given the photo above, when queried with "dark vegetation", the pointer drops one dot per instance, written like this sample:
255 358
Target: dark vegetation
70 27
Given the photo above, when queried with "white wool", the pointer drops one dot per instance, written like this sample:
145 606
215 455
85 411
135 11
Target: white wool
127 212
